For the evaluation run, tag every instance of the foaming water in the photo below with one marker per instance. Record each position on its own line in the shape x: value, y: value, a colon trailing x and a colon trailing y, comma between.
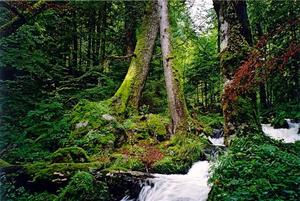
x: 289, y: 135
x: 217, y: 141
x: 175, y: 187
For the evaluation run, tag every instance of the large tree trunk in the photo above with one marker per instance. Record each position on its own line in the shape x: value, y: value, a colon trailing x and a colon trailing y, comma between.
x: 240, y: 116
x: 176, y: 101
x: 128, y: 95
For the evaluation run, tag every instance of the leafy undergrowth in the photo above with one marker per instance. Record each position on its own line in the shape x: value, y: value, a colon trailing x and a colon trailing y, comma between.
x: 211, y: 121
x: 257, y: 168
x: 93, y: 137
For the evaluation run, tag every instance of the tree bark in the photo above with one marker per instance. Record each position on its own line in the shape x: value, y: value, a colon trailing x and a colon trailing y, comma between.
x: 240, y: 116
x: 176, y: 101
x: 127, y: 97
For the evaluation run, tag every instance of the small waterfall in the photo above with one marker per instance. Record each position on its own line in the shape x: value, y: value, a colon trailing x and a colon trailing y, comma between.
x: 288, y: 135
x: 189, y: 187
x: 192, y: 186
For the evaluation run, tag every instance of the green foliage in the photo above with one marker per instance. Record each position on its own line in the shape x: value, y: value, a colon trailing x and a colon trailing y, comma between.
x: 257, y: 168
x: 70, y: 155
x: 83, y: 187
x: 47, y: 124
x: 211, y: 121
x: 9, y: 191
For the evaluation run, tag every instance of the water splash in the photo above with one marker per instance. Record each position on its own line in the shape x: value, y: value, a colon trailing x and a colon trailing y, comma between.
x: 175, y: 187
x: 289, y: 135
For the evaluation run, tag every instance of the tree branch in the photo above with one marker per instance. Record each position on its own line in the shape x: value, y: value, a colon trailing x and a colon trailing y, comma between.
x: 13, y: 25
x: 120, y: 57
x: 12, y: 8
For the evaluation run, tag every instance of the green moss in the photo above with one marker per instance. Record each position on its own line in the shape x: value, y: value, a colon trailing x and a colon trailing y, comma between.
x: 70, y: 155
x: 4, y: 164
x: 91, y: 129
x: 170, y: 166
x: 125, y: 162
x: 180, y: 154
x: 42, y: 171
x: 157, y: 124
x: 83, y: 187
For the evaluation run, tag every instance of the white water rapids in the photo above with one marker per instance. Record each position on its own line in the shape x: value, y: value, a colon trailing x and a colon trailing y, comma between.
x: 289, y: 135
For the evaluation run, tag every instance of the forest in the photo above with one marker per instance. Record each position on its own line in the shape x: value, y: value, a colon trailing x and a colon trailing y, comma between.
x: 150, y: 100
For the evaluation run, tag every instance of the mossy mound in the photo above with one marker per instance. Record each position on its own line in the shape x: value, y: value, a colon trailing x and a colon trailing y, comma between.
x: 93, y: 126
x: 70, y: 155
x: 180, y: 153
x: 153, y: 125
x: 83, y: 187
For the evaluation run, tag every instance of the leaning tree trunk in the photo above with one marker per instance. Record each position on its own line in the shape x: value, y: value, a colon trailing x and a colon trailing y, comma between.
x: 240, y: 116
x: 176, y: 101
x: 128, y: 95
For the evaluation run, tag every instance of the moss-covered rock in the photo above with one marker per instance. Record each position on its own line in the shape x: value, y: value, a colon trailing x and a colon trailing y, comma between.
x: 58, y: 172
x: 70, y: 155
x: 83, y: 187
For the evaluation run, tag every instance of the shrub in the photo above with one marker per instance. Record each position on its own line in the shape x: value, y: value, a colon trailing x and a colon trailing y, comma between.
x: 257, y: 168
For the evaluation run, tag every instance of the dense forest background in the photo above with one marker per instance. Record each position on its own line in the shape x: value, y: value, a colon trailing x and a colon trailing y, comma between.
x: 62, y: 65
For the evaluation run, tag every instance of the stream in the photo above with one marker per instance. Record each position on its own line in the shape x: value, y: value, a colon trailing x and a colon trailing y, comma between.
x: 193, y: 186
x: 287, y: 135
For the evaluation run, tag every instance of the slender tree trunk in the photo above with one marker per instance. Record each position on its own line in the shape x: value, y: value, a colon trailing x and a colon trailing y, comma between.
x: 103, y: 33
x: 75, y: 43
x: 98, y: 37
x: 176, y: 101
x: 89, y: 41
x: 128, y: 95
x: 262, y: 87
x: 240, y: 116
x: 130, y: 26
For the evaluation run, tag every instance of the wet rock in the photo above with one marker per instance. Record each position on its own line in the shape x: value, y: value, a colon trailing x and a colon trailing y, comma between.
x: 122, y: 183
x: 217, y: 133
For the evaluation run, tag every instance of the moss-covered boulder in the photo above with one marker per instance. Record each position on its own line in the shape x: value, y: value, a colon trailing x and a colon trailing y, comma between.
x: 70, y: 155
x: 83, y: 187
